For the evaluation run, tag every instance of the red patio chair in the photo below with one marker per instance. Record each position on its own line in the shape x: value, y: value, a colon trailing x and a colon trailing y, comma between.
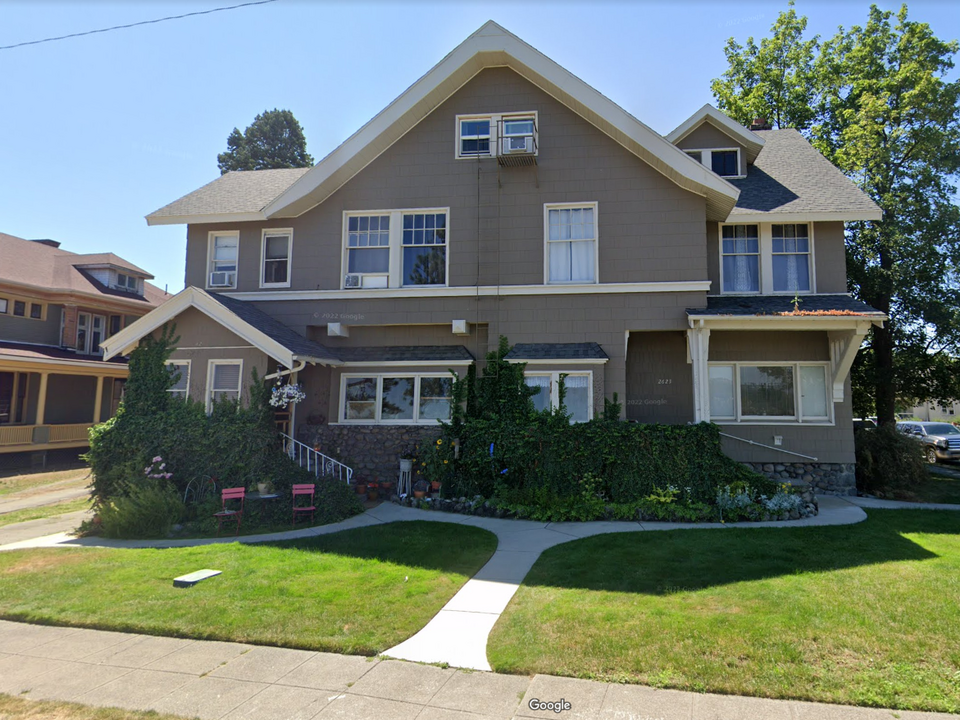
x: 308, y: 490
x: 230, y: 494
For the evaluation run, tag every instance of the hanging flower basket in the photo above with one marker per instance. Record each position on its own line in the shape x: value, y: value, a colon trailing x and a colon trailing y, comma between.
x: 284, y: 395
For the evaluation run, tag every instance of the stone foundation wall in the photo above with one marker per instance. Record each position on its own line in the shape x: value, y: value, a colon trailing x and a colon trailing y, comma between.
x: 373, y: 451
x: 824, y: 478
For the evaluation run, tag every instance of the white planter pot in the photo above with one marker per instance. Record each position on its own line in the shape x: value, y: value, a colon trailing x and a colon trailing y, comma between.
x: 406, y: 465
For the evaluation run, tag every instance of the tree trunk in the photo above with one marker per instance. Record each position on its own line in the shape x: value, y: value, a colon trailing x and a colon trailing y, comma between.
x: 885, y: 391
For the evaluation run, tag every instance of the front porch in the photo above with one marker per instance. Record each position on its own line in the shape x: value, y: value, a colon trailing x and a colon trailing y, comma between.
x: 50, y: 398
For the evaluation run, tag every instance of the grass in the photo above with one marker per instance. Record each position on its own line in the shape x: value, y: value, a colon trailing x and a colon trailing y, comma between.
x: 22, y: 481
x: 942, y: 486
x: 44, y: 511
x: 17, y: 708
x: 867, y: 614
x: 358, y: 591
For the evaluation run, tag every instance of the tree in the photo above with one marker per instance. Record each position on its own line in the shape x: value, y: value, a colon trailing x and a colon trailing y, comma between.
x: 883, y: 112
x: 773, y: 81
x: 273, y: 140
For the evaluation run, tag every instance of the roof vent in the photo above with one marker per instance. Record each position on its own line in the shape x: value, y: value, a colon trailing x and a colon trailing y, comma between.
x: 45, y: 241
x: 760, y: 124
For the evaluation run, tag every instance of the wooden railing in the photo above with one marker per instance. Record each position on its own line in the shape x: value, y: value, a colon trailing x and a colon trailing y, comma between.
x: 69, y: 433
x: 16, y: 434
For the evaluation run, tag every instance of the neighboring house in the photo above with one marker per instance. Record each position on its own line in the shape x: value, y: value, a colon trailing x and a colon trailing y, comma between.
x: 936, y: 411
x: 56, y: 307
x: 699, y: 276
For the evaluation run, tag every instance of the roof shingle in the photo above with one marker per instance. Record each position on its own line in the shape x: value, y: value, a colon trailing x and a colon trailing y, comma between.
x: 557, y: 351
x: 406, y: 353
x: 783, y: 305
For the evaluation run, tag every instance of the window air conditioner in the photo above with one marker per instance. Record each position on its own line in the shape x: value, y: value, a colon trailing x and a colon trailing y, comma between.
x: 352, y: 281
x: 523, y: 144
x: 222, y: 279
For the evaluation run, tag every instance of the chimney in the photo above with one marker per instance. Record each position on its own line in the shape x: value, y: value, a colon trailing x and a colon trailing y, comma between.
x: 760, y: 124
x: 49, y: 243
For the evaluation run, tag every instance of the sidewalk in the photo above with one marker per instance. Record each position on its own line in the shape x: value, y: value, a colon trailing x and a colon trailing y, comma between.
x: 213, y: 680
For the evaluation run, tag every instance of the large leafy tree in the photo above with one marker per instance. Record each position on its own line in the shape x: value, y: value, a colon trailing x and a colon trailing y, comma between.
x: 273, y: 140
x: 881, y: 108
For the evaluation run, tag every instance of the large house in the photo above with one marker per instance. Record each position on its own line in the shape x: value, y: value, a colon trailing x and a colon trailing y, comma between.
x: 699, y: 276
x: 56, y: 307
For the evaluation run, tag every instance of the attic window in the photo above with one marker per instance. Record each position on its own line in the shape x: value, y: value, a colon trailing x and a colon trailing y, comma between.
x: 725, y: 163
x: 497, y: 134
x: 126, y: 282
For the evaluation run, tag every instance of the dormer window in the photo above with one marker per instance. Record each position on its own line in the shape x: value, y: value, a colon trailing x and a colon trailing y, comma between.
x: 725, y: 162
x: 128, y: 282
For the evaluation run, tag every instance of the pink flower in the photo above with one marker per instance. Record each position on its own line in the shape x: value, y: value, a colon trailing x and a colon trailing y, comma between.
x: 157, y: 459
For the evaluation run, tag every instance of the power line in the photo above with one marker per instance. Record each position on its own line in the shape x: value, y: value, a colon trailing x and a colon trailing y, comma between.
x: 144, y: 22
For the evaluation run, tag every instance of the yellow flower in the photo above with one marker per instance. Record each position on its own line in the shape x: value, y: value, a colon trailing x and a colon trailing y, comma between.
x: 439, y: 441
x: 445, y: 462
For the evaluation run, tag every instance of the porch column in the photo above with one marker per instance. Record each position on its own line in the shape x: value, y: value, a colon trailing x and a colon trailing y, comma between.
x: 699, y: 345
x: 98, y: 401
x: 293, y: 409
x: 42, y: 398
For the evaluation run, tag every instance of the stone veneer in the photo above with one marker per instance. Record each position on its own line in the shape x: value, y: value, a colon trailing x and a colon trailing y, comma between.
x: 824, y: 478
x: 373, y: 451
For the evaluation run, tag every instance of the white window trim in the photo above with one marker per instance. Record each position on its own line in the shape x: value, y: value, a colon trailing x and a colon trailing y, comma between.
x: 208, y: 268
x: 209, y: 389
x: 555, y: 386
x: 4, y: 306
x: 395, y: 268
x: 273, y: 232
x: 798, y: 418
x: 186, y: 391
x: 378, y: 402
x: 547, y: 207
x: 495, y: 120
x: 88, y: 348
x: 706, y: 159
x: 765, y: 234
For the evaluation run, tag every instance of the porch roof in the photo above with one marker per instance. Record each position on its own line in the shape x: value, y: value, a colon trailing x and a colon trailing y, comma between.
x: 783, y: 306
x: 406, y: 354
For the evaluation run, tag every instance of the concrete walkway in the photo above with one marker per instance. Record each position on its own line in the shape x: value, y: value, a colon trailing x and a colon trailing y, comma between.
x: 31, y: 530
x: 232, y: 681
x: 900, y: 504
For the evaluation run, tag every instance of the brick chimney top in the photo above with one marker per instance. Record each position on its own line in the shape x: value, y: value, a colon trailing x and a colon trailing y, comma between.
x: 760, y: 124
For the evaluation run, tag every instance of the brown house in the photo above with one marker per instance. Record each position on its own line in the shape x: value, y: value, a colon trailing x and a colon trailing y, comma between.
x: 56, y: 307
x: 700, y: 276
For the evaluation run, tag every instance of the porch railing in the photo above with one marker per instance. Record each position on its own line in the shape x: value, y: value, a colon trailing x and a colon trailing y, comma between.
x: 69, y: 433
x: 16, y: 435
x: 315, y: 461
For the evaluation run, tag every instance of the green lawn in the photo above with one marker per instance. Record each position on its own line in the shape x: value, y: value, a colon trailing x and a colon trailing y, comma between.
x: 19, y: 481
x: 942, y: 486
x: 358, y: 591
x: 44, y: 511
x: 867, y: 614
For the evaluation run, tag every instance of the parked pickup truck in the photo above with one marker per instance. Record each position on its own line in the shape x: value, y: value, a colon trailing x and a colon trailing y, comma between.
x: 941, y: 441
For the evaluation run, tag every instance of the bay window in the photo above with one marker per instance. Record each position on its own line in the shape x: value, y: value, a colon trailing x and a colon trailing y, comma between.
x: 571, y: 243
x: 769, y: 392
x: 578, y: 398
x: 402, y: 399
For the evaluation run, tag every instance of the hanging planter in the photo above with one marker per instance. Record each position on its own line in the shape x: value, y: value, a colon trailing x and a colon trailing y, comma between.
x: 284, y: 395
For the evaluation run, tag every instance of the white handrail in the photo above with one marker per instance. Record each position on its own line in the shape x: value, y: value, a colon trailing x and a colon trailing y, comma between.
x: 315, y: 461
x: 770, y: 447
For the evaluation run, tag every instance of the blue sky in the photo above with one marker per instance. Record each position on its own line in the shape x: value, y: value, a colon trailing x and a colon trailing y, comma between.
x: 98, y: 131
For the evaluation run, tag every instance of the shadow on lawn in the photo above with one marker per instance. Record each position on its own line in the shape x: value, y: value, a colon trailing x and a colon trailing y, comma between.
x: 446, y: 547
x: 661, y: 563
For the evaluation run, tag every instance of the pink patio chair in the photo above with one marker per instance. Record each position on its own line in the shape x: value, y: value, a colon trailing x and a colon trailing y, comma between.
x: 230, y: 495
x: 306, y: 490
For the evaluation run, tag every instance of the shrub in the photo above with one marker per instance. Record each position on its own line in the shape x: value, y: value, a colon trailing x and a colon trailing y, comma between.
x: 147, y: 509
x: 889, y: 463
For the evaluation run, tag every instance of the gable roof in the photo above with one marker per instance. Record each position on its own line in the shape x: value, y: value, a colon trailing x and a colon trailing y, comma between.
x: 790, y: 180
x: 751, y: 141
x: 233, y: 197
x: 490, y: 46
x: 244, y: 319
x: 37, y: 265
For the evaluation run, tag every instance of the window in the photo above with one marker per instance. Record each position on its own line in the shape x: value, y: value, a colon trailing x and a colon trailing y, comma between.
x: 791, y: 258
x: 275, y: 258
x: 767, y: 259
x: 398, y: 399
x: 725, y: 163
x: 740, y: 248
x: 222, y: 260
x: 496, y: 134
x: 116, y: 324
x: 223, y: 381
x: 181, y: 386
x: 127, y: 282
x: 90, y: 333
x: 571, y: 243
x: 755, y: 392
x: 3, y: 306
x: 578, y: 399
x: 36, y: 311
x: 396, y: 248
x: 425, y: 249
x: 695, y: 154
x: 19, y: 308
